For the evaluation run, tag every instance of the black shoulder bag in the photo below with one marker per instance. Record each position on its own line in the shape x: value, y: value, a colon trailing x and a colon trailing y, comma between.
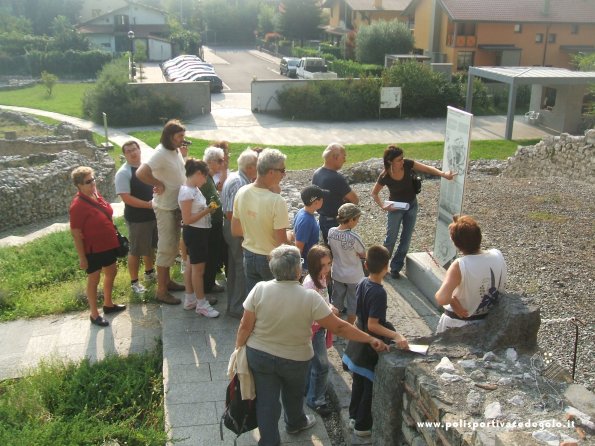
x: 416, y: 180
x: 124, y: 244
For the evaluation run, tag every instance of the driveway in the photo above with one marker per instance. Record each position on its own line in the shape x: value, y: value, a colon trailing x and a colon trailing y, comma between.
x: 238, y: 66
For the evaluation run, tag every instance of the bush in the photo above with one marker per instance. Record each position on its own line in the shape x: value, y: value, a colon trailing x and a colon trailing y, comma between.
x: 341, y: 100
x: 81, y: 64
x: 300, y: 51
x: 48, y: 80
x: 124, y: 106
x: 380, y: 38
x: 331, y: 49
x: 425, y: 92
x: 350, y: 68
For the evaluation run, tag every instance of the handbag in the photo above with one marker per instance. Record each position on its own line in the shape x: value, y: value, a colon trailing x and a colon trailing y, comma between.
x: 239, y: 415
x: 416, y: 180
x: 123, y: 243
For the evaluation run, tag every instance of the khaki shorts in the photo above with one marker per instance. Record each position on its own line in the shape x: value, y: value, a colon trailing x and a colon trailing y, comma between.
x: 168, y: 230
x: 142, y: 237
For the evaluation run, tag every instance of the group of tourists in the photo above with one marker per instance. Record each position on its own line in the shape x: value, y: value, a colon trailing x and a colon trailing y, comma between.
x: 289, y: 288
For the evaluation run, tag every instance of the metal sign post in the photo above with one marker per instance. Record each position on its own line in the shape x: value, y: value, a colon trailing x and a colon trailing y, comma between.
x: 106, y: 144
x: 391, y: 97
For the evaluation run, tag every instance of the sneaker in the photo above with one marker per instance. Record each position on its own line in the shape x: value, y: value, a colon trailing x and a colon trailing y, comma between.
x: 352, y: 423
x: 362, y: 433
x: 138, y: 288
x: 150, y: 277
x: 190, y: 303
x: 310, y: 421
x: 206, y: 310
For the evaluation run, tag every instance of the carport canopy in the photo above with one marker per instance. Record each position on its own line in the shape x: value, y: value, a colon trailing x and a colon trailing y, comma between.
x: 516, y: 76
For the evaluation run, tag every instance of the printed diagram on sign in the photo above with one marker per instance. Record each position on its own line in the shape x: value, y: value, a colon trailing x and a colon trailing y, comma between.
x: 456, y: 155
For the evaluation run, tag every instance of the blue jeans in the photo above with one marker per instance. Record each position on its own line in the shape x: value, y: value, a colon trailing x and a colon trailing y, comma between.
x: 256, y: 269
x: 274, y: 376
x: 393, y: 225
x: 236, y: 280
x: 317, y: 381
x: 325, y: 224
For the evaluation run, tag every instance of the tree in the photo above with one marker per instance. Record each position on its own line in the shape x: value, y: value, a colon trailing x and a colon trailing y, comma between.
x: 299, y: 19
x: 266, y: 19
x: 66, y: 37
x: 380, y: 38
x: 228, y: 21
x: 48, y: 80
x: 42, y: 12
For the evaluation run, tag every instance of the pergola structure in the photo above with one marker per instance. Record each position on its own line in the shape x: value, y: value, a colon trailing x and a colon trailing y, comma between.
x: 517, y: 76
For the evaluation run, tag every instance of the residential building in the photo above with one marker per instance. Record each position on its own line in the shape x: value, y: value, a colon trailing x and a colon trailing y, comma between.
x: 91, y: 9
x: 350, y: 15
x: 110, y: 31
x: 503, y: 32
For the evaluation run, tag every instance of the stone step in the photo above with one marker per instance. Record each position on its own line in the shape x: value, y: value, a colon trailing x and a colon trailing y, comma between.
x: 425, y: 275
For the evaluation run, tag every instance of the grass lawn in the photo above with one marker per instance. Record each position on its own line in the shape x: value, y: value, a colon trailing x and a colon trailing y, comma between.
x: 42, y: 277
x: 67, y: 98
x: 308, y: 157
x: 117, y: 401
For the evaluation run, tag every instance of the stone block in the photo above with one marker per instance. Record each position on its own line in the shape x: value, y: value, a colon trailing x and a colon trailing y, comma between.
x: 579, y: 397
x: 515, y: 439
x: 387, y: 403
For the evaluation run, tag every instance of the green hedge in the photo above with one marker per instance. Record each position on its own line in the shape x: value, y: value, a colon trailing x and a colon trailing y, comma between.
x: 78, y: 64
x: 341, y: 100
x: 299, y: 51
x: 350, y: 68
x: 18, y: 44
x: 331, y: 49
x: 124, y: 106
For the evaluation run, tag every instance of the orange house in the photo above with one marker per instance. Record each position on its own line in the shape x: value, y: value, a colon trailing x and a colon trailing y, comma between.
x: 504, y: 32
x: 349, y: 15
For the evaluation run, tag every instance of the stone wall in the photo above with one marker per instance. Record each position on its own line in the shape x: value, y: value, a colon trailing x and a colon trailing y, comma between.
x: 478, y: 386
x: 564, y: 155
x: 35, y: 172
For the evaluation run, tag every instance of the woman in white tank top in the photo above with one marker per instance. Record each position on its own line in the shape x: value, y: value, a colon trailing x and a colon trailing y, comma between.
x: 473, y: 283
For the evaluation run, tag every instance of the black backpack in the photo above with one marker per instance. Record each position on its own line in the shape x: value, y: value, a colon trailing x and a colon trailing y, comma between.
x: 239, y: 415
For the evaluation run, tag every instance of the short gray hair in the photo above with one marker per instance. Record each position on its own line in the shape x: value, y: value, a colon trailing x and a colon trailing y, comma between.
x: 247, y: 158
x: 332, y: 148
x: 213, y: 154
x: 269, y: 159
x: 285, y: 262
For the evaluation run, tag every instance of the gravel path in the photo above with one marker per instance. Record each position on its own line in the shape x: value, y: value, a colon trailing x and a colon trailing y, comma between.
x: 545, y: 227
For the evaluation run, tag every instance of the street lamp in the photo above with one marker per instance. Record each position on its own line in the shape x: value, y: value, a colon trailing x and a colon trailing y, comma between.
x: 132, y: 67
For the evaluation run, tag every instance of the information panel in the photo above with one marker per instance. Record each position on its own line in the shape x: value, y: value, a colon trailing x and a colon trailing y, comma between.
x: 390, y: 97
x: 457, y: 143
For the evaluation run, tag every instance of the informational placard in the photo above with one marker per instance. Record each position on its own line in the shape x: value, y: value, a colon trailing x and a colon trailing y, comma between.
x: 390, y: 97
x: 457, y: 143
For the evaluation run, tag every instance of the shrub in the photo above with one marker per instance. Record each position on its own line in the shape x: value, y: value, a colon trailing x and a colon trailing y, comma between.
x: 425, y: 92
x: 380, y: 38
x: 340, y: 100
x: 350, y: 68
x: 48, y: 80
x: 299, y: 51
x: 124, y: 106
x: 82, y: 64
x: 331, y: 49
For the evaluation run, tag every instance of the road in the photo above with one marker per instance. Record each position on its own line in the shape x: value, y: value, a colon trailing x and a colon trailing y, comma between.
x: 238, y: 66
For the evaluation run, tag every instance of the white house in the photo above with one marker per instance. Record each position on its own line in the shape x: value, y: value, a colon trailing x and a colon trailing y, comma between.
x: 109, y: 31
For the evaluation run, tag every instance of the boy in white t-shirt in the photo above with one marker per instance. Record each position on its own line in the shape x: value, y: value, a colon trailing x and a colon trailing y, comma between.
x: 348, y: 251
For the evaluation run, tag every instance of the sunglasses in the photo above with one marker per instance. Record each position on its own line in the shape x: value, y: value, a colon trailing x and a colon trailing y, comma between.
x: 92, y: 180
x: 280, y: 170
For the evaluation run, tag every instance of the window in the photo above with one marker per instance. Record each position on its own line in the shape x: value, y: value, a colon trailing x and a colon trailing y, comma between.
x: 464, y: 60
x: 466, y: 29
x: 573, y: 29
x: 551, y: 38
x: 548, y: 98
x: 106, y: 44
x: 538, y: 38
x: 518, y: 28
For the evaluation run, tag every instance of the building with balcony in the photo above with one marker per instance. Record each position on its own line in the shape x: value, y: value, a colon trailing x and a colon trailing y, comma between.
x: 503, y: 32
x: 109, y: 31
x: 349, y: 15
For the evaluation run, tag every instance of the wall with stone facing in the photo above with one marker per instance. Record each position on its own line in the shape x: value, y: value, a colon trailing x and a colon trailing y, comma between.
x: 564, y: 155
x: 35, y: 178
x: 488, y: 375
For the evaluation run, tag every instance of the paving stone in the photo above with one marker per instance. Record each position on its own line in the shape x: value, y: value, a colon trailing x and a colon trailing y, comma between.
x: 187, y: 373
x: 181, y: 415
x: 196, y: 392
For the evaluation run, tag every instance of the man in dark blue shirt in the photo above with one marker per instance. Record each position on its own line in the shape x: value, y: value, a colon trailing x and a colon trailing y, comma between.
x: 327, y: 177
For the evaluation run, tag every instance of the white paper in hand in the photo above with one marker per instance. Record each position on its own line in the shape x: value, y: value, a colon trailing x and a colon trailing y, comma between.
x: 419, y: 348
x: 397, y: 205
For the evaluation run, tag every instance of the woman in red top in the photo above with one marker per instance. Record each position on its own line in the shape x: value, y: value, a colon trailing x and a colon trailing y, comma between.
x: 95, y: 241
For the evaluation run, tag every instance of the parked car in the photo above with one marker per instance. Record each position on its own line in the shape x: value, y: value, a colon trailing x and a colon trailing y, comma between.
x: 192, y: 75
x: 180, y: 59
x: 216, y: 82
x: 314, y: 68
x: 189, y: 69
x: 288, y: 66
